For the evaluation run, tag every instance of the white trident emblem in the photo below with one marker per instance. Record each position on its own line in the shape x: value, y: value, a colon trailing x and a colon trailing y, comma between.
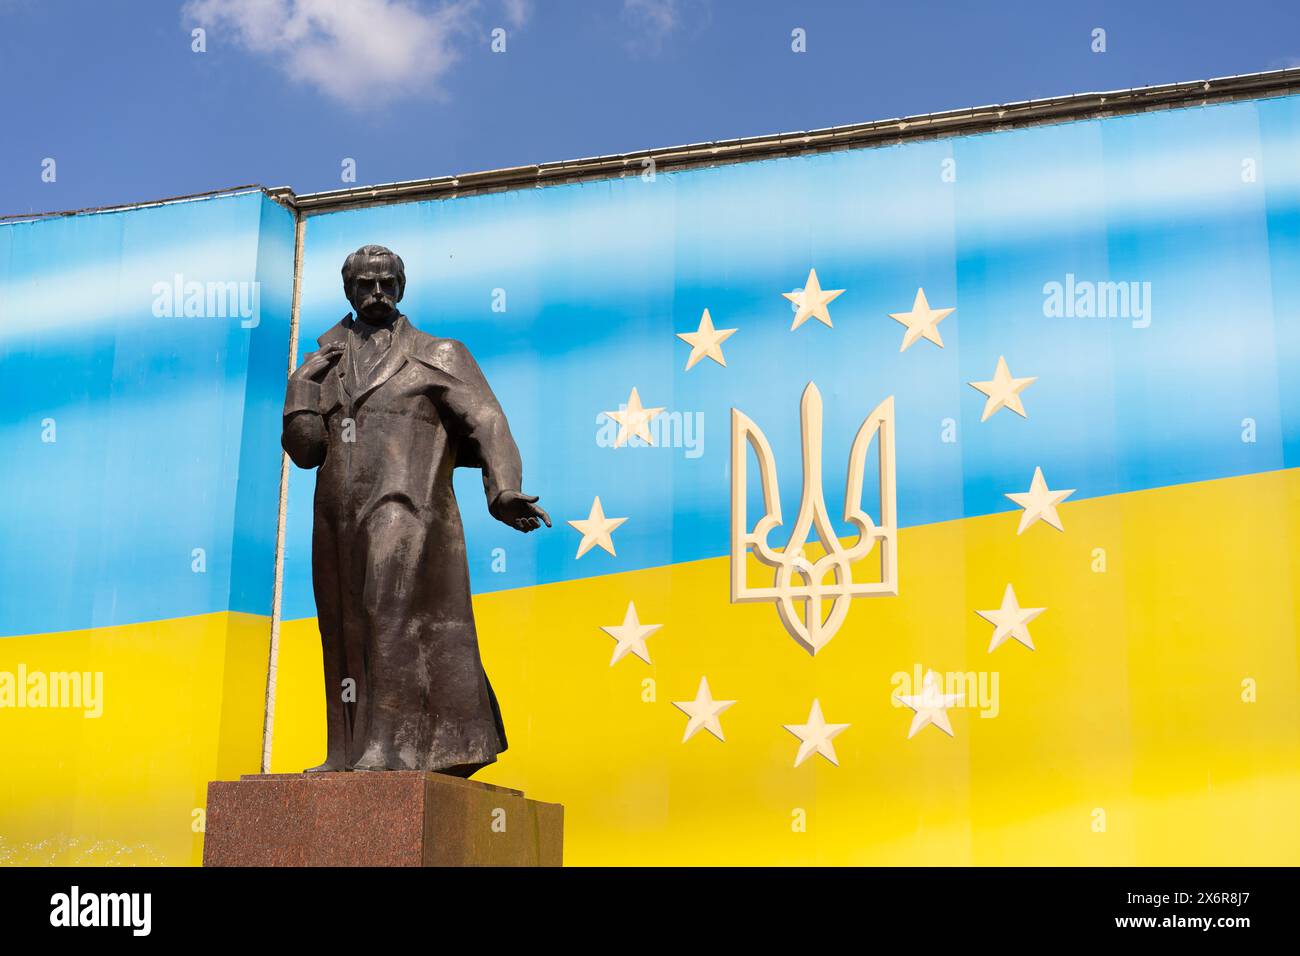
x: 813, y: 628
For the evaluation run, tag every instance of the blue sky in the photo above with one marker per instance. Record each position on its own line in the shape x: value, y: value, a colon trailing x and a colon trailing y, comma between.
x: 289, y: 89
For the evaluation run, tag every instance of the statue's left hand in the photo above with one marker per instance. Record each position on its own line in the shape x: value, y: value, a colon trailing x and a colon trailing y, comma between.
x: 520, y: 511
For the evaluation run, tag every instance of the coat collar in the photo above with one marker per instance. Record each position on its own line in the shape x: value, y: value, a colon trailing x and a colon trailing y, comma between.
x: 391, y: 364
x: 338, y: 332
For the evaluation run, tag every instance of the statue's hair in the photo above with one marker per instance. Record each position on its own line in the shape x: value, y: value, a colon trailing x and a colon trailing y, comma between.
x: 351, y: 263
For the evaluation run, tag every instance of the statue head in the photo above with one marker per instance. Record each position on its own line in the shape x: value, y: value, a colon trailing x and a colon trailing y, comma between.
x: 374, y: 279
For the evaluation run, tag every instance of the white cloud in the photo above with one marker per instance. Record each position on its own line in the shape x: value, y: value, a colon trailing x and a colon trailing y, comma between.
x: 657, y: 17
x: 517, y: 12
x: 656, y: 20
x: 359, y: 52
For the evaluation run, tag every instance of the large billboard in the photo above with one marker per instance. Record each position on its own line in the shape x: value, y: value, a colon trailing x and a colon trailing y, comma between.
x: 144, y: 355
x: 1056, y: 367
x: 1123, y: 295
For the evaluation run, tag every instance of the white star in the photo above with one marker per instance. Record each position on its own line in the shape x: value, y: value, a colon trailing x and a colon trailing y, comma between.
x: 922, y: 321
x: 1039, y: 503
x: 816, y: 735
x: 812, y: 301
x: 596, y: 529
x: 631, y: 635
x: 1010, y: 620
x: 706, y: 342
x: 931, y: 705
x: 703, y: 711
x: 634, y: 420
x: 1003, y: 391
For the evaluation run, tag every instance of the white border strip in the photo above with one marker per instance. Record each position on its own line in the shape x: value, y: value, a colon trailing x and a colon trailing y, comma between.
x: 268, y: 722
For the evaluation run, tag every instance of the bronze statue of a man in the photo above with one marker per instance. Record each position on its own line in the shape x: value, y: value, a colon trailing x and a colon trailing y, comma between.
x: 385, y: 412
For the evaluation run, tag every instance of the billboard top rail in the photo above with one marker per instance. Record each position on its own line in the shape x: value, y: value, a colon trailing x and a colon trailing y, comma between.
x: 876, y: 133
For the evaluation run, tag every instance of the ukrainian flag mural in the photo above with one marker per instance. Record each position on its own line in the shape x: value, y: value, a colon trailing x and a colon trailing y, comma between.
x: 144, y: 358
x: 1013, y: 579
x: 1116, y: 683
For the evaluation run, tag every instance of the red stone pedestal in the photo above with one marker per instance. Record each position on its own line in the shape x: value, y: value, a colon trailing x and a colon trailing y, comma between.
x: 393, y: 818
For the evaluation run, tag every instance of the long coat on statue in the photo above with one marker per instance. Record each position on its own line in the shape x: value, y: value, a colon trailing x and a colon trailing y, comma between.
x: 388, y: 550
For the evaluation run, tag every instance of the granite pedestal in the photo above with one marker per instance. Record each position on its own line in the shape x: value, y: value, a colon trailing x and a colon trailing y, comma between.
x: 392, y: 818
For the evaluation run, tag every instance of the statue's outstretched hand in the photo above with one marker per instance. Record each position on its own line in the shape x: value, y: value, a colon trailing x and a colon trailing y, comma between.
x: 318, y: 363
x: 520, y: 511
